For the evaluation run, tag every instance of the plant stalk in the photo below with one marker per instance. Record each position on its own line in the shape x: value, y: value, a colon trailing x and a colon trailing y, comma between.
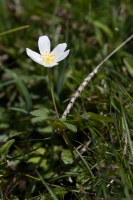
x: 52, y: 93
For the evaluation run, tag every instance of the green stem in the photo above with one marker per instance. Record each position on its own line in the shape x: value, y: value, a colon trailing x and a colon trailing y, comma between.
x: 52, y: 93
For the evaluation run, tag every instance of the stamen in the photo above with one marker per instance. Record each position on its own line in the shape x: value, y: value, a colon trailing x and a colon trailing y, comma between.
x: 48, y: 58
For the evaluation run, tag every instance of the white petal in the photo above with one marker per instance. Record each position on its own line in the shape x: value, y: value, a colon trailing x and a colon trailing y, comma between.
x: 50, y: 65
x: 33, y: 55
x: 44, y: 44
x: 62, y: 56
x: 59, y: 49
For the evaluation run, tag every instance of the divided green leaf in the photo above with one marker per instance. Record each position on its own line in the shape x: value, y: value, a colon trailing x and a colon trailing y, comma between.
x: 40, y: 115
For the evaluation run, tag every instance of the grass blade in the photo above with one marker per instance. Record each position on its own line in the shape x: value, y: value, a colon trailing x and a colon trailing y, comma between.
x: 47, y: 187
x: 14, y: 30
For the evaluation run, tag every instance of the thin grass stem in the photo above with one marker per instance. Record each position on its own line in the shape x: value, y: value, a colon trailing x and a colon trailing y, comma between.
x: 90, y: 76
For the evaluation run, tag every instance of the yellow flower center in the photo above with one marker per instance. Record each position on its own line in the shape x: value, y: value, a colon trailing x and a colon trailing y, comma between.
x: 48, y: 57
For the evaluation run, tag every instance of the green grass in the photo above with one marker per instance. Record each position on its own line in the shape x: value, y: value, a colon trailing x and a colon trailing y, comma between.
x: 90, y: 154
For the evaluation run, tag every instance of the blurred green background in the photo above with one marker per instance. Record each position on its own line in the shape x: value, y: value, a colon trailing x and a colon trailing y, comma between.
x: 39, y: 164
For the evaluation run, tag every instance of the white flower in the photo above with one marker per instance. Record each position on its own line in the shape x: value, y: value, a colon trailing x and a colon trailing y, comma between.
x: 47, y: 58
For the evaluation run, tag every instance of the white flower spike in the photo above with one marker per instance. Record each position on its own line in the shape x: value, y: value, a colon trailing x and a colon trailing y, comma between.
x: 47, y: 58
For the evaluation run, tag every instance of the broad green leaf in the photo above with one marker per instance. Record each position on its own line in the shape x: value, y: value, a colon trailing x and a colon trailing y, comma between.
x: 66, y: 156
x: 5, y: 148
x: 61, y: 124
x: 47, y: 129
x: 34, y: 159
x: 70, y: 127
x: 85, y: 115
x: 38, y: 119
x: 39, y: 113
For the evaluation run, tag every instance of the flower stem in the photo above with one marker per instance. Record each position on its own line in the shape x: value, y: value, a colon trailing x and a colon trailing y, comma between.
x: 52, y: 93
